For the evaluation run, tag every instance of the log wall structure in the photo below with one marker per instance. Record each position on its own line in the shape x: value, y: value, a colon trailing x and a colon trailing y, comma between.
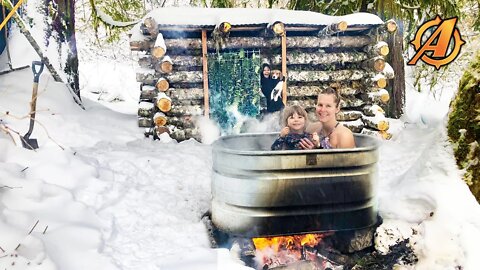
x: 349, y: 58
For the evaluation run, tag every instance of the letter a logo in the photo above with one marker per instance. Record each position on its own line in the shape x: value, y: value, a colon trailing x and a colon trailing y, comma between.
x: 437, y: 44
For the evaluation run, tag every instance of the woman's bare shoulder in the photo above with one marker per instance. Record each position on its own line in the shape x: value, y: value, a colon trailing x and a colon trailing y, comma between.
x: 345, y: 137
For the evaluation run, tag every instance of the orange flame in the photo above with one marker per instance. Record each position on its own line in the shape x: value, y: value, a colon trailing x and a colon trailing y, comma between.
x: 291, y: 242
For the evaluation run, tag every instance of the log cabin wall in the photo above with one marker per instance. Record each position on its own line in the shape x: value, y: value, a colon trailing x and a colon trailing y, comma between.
x: 350, y: 59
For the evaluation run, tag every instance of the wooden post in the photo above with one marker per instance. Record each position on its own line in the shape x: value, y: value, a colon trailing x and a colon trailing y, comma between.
x: 284, y: 67
x: 397, y: 83
x: 206, y: 107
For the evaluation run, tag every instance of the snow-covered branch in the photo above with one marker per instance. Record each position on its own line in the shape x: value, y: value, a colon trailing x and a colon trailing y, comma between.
x: 107, y: 19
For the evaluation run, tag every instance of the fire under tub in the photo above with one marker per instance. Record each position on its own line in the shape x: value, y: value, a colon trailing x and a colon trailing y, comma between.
x: 259, y: 192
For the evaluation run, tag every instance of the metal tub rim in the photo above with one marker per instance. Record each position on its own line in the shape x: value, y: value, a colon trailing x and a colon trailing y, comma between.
x: 218, y: 146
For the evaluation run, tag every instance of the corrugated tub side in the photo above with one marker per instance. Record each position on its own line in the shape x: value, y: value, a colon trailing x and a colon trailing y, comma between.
x: 258, y: 192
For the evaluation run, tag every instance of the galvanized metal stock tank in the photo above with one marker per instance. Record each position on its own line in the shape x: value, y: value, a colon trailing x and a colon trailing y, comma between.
x: 258, y: 192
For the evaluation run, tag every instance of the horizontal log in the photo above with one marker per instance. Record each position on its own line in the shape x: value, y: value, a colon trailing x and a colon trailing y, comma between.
x: 355, y: 126
x: 145, y: 122
x: 319, y: 58
x: 195, y: 44
x: 314, y: 90
x: 146, y: 109
x: 179, y: 110
x: 141, y: 45
x: 377, y: 80
x: 378, y: 49
x: 374, y: 64
x: 185, y: 93
x: 388, y: 71
x: 145, y: 61
x: 165, y: 65
x: 377, y: 122
x: 379, y: 97
x: 345, y: 102
x: 348, y: 115
x: 148, y: 92
x: 182, y: 121
x: 333, y: 28
x: 381, y: 134
x: 372, y: 110
x: 185, y: 134
x: 175, y: 77
x: 161, y: 84
x: 325, y: 76
x: 155, y: 132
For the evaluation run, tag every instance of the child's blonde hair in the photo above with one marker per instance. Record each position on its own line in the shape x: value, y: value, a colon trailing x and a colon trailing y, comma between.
x: 290, y: 110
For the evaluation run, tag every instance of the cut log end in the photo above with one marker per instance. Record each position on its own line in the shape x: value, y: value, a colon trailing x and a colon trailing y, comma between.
x: 385, y: 98
x: 160, y: 119
x: 385, y: 135
x: 384, y: 50
x: 162, y: 85
x: 391, y: 26
x: 383, y: 125
x: 381, y: 83
x: 158, y: 52
x: 166, y: 67
x: 342, y: 26
x: 164, y: 104
x: 379, y: 64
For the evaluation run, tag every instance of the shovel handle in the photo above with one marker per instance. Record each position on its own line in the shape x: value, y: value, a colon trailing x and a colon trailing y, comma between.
x: 36, y: 73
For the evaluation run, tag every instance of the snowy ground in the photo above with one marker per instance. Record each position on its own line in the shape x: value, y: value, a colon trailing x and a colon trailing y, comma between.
x: 114, y: 200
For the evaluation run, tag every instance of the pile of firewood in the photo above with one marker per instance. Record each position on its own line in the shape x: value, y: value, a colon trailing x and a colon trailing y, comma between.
x: 174, y: 83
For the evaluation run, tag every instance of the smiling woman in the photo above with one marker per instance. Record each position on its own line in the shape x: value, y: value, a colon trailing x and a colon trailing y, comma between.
x: 332, y: 134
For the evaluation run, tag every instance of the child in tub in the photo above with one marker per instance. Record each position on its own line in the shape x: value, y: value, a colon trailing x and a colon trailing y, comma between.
x: 294, y: 121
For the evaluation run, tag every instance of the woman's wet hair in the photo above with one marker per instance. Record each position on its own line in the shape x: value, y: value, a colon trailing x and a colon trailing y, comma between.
x: 290, y: 110
x: 331, y: 91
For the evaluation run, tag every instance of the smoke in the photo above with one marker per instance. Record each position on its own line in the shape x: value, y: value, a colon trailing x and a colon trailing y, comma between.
x: 209, y: 129
x: 246, y: 124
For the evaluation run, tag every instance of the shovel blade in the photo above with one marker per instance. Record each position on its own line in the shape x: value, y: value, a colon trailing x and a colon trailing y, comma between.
x: 29, y: 143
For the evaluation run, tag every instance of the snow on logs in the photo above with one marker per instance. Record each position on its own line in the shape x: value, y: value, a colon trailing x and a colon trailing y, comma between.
x: 172, y: 96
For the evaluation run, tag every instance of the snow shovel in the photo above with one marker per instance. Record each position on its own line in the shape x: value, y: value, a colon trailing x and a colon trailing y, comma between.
x: 26, y: 141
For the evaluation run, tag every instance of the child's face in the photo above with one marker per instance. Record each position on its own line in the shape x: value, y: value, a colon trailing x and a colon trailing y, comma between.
x: 266, y: 72
x: 296, y: 123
